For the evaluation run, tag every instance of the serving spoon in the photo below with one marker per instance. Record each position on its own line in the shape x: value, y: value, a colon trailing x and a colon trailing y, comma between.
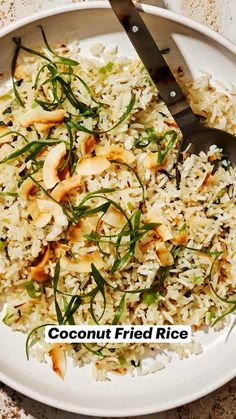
x: 200, y: 137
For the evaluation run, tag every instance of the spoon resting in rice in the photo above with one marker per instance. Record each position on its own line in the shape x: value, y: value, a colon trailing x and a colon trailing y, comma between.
x: 195, y: 136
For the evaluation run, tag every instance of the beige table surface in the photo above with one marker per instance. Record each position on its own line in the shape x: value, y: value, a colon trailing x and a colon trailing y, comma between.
x: 220, y: 15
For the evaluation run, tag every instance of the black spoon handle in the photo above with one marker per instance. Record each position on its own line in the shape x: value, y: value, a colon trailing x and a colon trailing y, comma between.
x: 146, y: 48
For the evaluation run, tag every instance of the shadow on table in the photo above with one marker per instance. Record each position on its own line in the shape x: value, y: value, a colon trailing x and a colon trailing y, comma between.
x: 26, y: 407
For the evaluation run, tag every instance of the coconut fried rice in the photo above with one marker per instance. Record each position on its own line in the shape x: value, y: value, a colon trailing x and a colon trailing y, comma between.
x: 88, y: 186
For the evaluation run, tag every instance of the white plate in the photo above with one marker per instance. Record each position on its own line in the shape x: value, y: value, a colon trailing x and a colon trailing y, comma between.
x: 181, y: 381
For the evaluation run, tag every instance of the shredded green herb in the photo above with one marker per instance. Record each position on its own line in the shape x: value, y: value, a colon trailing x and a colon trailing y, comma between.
x: 97, y: 353
x: 33, y: 148
x: 150, y: 297
x: 55, y: 283
x: 144, y: 140
x: 98, y: 278
x: 223, y: 299
x: 134, y: 172
x: 61, y: 60
x: 71, y: 308
x: 168, y: 147
x: 79, y: 127
x: 13, y: 67
x: 31, y: 334
x: 119, y: 311
x: 32, y: 290
x: 106, y: 68
x: 19, y: 46
x: 150, y: 137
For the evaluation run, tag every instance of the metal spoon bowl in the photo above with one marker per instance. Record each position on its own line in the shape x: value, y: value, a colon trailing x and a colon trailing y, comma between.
x: 199, y: 136
x: 204, y: 137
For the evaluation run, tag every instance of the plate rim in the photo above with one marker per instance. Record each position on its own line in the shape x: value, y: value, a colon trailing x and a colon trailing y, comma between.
x: 113, y: 412
x: 102, y: 4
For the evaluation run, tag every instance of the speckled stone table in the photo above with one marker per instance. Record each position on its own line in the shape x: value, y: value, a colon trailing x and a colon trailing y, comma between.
x: 220, y: 15
x: 220, y: 404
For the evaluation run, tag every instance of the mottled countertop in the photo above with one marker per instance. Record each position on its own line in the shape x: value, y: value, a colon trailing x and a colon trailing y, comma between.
x: 220, y: 15
x: 220, y: 404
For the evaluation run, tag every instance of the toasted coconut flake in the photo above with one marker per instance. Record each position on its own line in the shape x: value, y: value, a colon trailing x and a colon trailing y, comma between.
x: 92, y: 166
x: 147, y: 245
x: 41, y: 220
x: 46, y: 206
x: 7, y: 138
x: 44, y: 127
x: 21, y: 71
x: 181, y: 238
x: 60, y: 249
x: 87, y: 145
x: 119, y: 371
x: 33, y: 210
x: 77, y: 232
x: 27, y: 187
x: 114, y: 218
x: 115, y: 153
x: 38, y: 274
x: 40, y: 116
x: 58, y: 357
x: 51, y: 164
x: 164, y: 255
x: 64, y: 174
x: 45, y: 258
x: 83, y: 264
x: 150, y: 162
x: 51, y: 209
x: 163, y: 230
x: 54, y: 233
x: 43, y: 153
x: 65, y: 187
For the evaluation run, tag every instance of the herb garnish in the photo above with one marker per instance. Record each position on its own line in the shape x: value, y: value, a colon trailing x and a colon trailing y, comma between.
x: 150, y: 297
x: 79, y: 127
x: 133, y: 229
x: 56, y: 80
x: 34, y: 147
x: 59, y: 80
x: 134, y: 172
x: 29, y: 337
x: 98, y: 278
x: 13, y: 67
x: 150, y: 137
x: 223, y: 299
x: 119, y: 311
x: 32, y: 291
x: 106, y: 68
x: 62, y: 60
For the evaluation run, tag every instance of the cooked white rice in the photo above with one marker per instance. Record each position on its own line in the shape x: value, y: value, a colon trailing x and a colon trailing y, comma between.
x: 201, y: 214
